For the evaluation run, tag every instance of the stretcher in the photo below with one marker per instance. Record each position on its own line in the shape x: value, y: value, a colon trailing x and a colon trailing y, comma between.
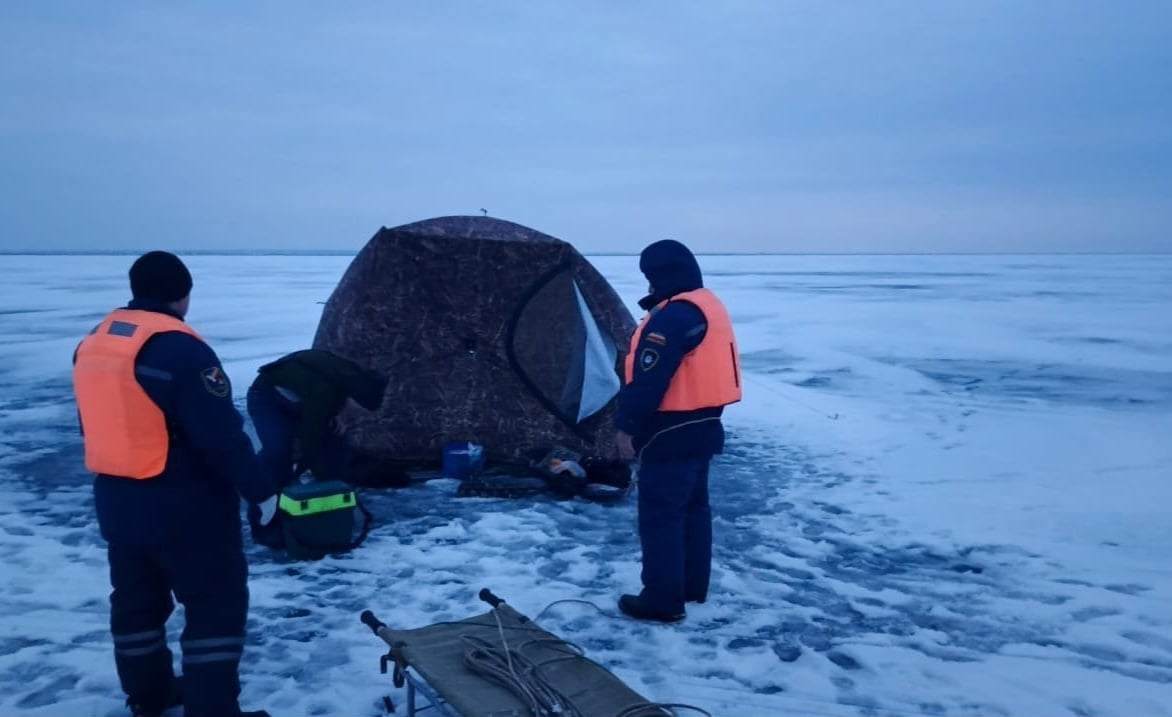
x: 502, y: 664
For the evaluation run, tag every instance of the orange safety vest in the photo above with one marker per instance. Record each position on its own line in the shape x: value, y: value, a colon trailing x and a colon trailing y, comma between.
x: 125, y: 431
x: 710, y: 374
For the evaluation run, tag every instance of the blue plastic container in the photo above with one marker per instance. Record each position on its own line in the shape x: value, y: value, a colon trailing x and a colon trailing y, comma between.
x: 462, y: 459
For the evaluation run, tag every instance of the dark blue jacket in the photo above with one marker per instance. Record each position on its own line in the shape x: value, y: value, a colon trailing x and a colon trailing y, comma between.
x: 661, y: 436
x: 210, y: 463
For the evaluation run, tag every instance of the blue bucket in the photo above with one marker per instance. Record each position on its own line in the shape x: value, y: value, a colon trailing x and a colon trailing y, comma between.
x: 462, y: 459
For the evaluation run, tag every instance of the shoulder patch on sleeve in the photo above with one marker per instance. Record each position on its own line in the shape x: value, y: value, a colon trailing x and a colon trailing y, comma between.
x: 657, y: 338
x: 216, y: 381
x: 648, y: 358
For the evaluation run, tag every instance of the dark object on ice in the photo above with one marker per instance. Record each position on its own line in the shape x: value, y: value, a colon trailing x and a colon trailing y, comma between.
x: 488, y: 331
x: 561, y: 472
x: 607, y: 472
x: 569, y: 475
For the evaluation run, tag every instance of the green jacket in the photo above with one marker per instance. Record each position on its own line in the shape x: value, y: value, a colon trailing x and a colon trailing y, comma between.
x: 323, y: 381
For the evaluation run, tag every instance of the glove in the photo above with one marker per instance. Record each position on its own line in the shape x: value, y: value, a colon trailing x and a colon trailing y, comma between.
x: 268, y: 509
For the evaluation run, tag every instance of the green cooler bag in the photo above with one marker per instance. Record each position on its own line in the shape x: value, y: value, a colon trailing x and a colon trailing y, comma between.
x: 318, y: 518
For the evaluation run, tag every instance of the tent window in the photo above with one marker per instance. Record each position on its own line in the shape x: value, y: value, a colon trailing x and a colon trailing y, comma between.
x: 600, y: 383
x: 561, y: 352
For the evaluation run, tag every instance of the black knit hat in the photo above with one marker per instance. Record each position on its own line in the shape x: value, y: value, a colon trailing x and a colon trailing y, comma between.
x: 159, y: 276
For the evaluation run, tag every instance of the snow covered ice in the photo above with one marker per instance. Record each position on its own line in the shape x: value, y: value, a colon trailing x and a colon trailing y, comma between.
x: 948, y: 492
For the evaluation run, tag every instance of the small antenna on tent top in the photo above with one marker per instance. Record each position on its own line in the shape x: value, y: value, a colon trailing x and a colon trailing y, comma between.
x: 484, y: 211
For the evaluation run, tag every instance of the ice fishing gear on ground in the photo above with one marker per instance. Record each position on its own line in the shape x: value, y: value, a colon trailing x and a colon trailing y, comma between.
x: 315, y: 519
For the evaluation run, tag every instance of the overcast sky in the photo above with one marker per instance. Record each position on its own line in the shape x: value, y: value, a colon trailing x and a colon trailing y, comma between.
x: 732, y: 125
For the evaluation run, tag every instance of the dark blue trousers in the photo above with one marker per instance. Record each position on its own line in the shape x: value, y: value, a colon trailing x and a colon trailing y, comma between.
x: 210, y: 580
x: 278, y: 424
x: 675, y: 530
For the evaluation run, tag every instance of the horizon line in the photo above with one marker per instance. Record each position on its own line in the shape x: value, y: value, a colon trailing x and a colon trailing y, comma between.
x: 339, y: 252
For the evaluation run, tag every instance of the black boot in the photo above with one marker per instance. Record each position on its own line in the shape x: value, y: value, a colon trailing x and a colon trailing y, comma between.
x: 636, y: 606
x: 140, y: 709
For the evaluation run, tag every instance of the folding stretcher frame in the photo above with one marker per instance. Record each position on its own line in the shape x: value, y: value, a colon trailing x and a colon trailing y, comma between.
x: 432, y: 661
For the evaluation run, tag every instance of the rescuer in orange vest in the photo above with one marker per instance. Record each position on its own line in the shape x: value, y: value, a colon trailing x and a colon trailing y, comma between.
x: 172, y: 460
x: 681, y: 371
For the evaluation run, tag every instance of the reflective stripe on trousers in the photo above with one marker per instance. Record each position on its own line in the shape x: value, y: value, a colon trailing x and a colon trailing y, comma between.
x: 212, y: 649
x: 137, y: 644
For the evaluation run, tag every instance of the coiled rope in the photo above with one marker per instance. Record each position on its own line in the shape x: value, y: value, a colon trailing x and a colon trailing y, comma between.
x: 510, y: 668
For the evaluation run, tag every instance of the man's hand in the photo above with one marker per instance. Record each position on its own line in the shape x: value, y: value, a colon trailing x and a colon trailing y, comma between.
x: 625, y: 445
x: 268, y: 509
x: 340, y: 426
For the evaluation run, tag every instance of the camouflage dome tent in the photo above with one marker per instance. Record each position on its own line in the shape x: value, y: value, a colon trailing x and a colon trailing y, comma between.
x: 489, y: 332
